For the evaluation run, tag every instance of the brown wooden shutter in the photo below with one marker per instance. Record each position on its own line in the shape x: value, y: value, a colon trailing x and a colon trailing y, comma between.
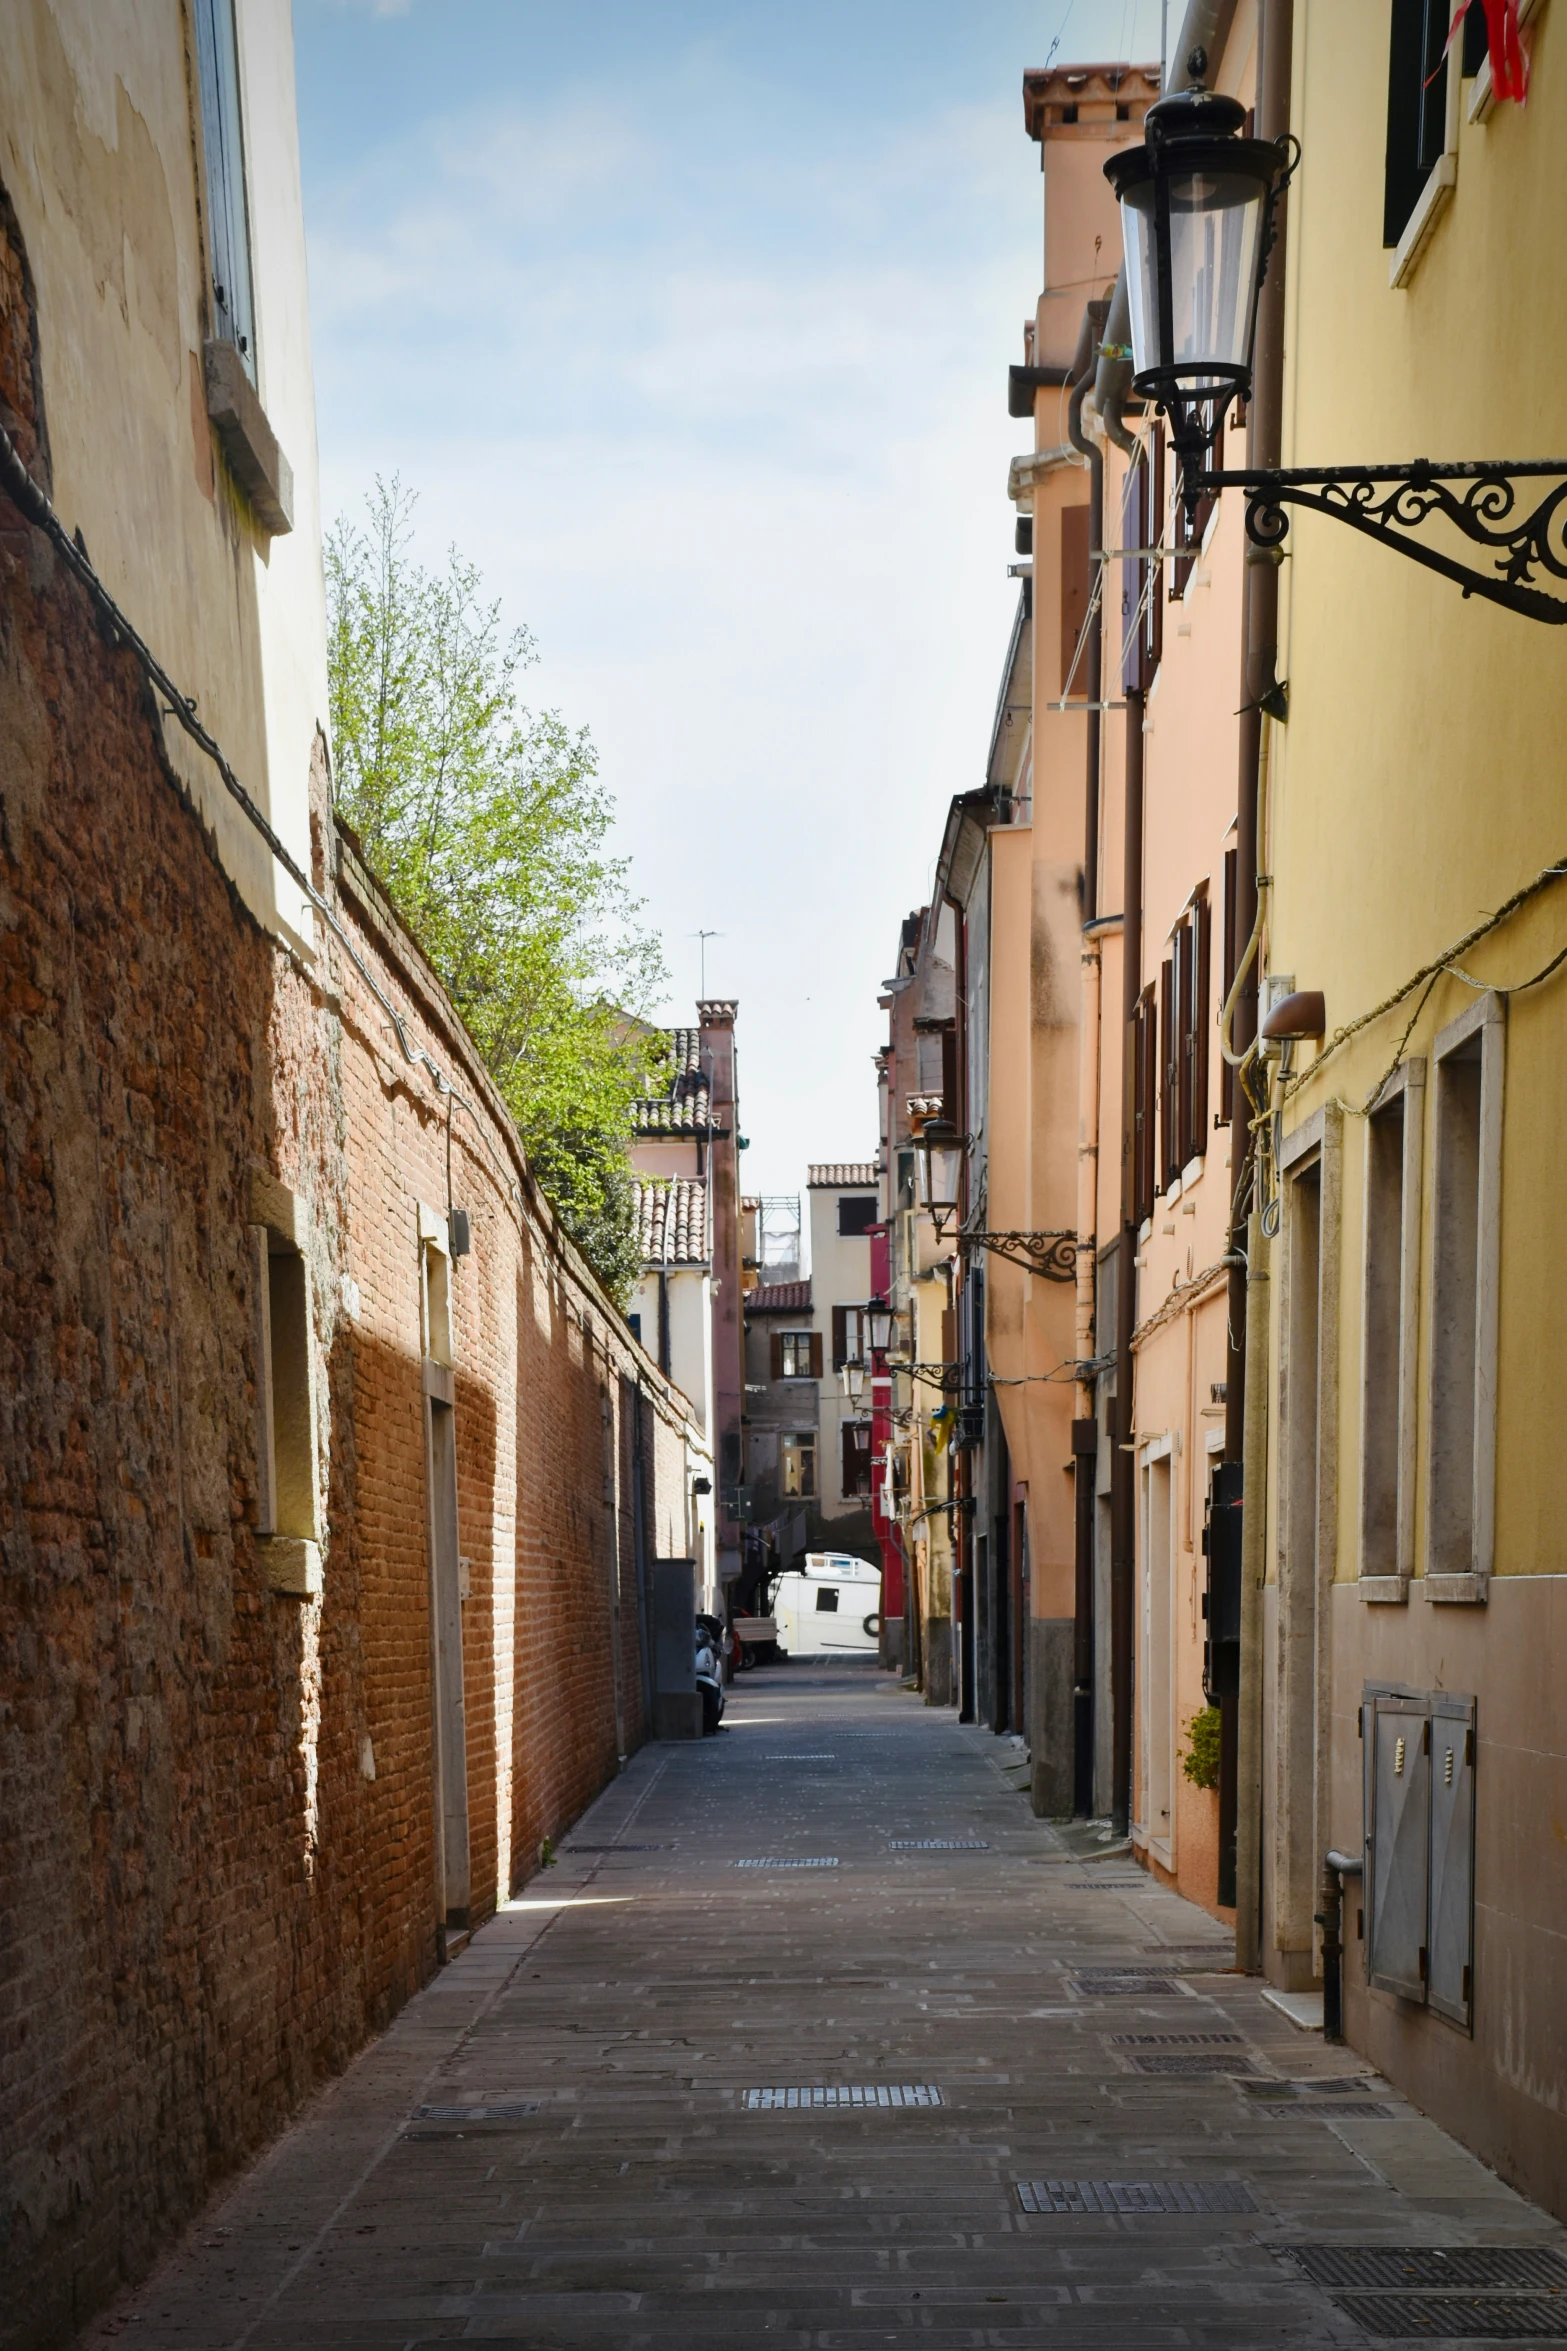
x: 1202, y: 1011
x: 776, y: 1343
x: 816, y: 1355
x: 1169, y: 1142
x: 1182, y: 946
x: 840, y: 1341
x: 1142, y: 624
x: 1075, y: 589
x: 949, y: 1075
x: 1227, y: 980
x: 1143, y: 1062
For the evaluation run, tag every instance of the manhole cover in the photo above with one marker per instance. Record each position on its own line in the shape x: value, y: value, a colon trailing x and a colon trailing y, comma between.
x: 856, y: 2094
x: 1135, y: 2196
x: 781, y: 1861
x: 937, y: 1845
x: 1194, y: 2061
x: 1411, y: 2266
x: 1481, y: 2317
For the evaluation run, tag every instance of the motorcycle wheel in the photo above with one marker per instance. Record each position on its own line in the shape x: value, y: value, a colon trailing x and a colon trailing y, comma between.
x: 747, y: 1657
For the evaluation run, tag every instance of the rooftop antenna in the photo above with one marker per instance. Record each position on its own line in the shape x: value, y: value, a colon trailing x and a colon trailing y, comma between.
x: 704, y: 936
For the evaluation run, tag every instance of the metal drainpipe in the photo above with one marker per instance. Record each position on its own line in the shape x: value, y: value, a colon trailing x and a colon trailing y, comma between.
x: 1206, y: 25
x: 1084, y: 1431
x: 1246, y: 1381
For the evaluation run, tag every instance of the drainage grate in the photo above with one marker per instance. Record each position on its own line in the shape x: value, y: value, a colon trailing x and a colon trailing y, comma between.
x: 1194, y: 1950
x: 1174, y: 2040
x: 1136, y: 1885
x: 513, y: 2111
x: 1331, y: 2109
x: 1407, y: 2266
x: 1095, y: 1987
x: 569, y: 1849
x: 800, y: 1755
x: 1491, y: 2318
x: 937, y: 1845
x: 1196, y: 2061
x: 781, y: 1861
x: 1135, y: 2196
x: 1087, y: 1973
x: 856, y: 2094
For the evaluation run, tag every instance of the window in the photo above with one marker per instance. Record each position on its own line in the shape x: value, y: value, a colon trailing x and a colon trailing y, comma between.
x: 856, y: 1464
x: 849, y: 1341
x: 1416, y: 107
x: 634, y: 1325
x: 827, y: 1599
x: 1183, y: 1043
x: 228, y: 226
x: 1389, y: 1323
x: 797, y: 1456
x: 856, y: 1216
x: 288, y: 1498
x: 797, y: 1355
x: 1465, y: 1237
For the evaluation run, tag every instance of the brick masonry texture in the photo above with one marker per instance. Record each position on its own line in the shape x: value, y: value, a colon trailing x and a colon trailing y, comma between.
x: 217, y: 1873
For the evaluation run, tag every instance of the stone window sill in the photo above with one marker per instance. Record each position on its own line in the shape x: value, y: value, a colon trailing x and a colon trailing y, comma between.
x: 249, y: 443
x: 1389, y: 1590
x: 1434, y: 199
x: 1460, y: 1591
x: 292, y: 1564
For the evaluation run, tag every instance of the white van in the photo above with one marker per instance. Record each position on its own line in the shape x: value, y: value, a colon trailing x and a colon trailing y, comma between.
x: 829, y: 1606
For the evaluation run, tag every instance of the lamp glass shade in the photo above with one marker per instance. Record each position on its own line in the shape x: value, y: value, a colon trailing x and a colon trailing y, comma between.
x: 878, y: 1322
x: 1215, y: 224
x: 853, y: 1378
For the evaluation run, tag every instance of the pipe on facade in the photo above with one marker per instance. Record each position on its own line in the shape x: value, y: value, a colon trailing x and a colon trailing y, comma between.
x: 1246, y: 1392
x: 1330, y: 1918
x: 1123, y: 1492
x: 1094, y: 316
x: 1085, y: 1446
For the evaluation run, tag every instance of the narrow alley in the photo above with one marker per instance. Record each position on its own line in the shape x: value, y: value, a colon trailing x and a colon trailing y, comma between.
x: 815, y: 2034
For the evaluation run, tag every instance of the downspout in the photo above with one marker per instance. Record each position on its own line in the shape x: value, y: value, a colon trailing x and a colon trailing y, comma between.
x: 1246, y: 1387
x: 1205, y: 26
x: 1084, y: 1425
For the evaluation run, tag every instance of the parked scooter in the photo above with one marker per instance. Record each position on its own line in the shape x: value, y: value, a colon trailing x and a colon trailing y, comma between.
x: 710, y: 1672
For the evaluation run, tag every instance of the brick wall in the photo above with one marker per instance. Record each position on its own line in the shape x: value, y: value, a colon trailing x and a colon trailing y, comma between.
x: 217, y: 1871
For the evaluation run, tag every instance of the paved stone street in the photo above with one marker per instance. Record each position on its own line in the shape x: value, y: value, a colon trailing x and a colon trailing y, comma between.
x: 578, y: 2135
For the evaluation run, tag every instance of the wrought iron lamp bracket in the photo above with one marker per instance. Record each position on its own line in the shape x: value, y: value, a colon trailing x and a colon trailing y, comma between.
x: 1387, y: 502
x: 1051, y: 1255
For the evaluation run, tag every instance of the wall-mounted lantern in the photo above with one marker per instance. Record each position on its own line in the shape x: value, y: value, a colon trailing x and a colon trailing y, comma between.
x: 941, y: 1149
x: 1197, y: 217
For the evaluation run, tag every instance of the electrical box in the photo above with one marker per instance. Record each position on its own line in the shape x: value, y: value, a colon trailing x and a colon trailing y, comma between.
x: 1419, y: 1758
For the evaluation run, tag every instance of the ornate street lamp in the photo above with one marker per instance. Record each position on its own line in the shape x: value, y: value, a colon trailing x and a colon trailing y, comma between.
x: 941, y: 1149
x: 852, y: 1376
x: 1197, y: 205
x: 1197, y: 217
x: 878, y: 1324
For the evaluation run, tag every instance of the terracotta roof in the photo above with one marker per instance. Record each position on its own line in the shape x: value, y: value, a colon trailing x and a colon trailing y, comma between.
x: 778, y: 1298
x: 841, y: 1175
x: 687, y: 1108
x: 674, y: 1207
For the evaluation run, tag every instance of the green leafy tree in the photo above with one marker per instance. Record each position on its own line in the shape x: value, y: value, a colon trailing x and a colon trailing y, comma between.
x: 486, y: 822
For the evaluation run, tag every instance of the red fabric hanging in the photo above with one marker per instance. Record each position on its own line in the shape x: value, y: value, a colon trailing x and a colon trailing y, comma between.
x: 1509, y: 57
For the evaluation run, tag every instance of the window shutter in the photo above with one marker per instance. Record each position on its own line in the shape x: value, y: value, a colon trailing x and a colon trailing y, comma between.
x: 1202, y: 957
x: 1075, y: 590
x: 949, y: 1074
x: 776, y: 1343
x: 840, y: 1337
x: 1169, y: 1142
x: 849, y: 1461
x: 1227, y: 980
x: 816, y: 1355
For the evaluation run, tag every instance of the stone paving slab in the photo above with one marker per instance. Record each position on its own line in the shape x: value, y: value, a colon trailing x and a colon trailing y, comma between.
x: 632, y: 1998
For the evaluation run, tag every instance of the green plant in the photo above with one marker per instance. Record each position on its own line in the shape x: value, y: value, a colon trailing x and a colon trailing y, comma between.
x: 1200, y: 1760
x: 486, y: 822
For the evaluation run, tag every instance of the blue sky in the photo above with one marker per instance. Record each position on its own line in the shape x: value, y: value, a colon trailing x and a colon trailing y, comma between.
x: 690, y: 324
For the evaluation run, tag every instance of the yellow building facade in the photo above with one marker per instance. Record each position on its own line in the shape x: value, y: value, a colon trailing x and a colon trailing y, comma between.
x: 1415, y: 1601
